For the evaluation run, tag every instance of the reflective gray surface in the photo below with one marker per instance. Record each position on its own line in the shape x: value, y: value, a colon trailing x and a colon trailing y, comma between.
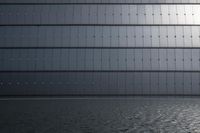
x: 97, y: 83
x: 100, y: 1
x: 100, y: 14
x: 103, y: 53
x: 104, y: 115
x: 100, y: 36
x: 99, y: 59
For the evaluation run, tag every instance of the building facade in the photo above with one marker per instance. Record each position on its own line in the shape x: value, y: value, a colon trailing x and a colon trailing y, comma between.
x: 100, y: 47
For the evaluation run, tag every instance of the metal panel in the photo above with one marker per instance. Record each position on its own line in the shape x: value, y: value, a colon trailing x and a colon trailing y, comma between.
x: 2, y: 36
x: 121, y: 83
x: 67, y: 60
x: 117, y: 14
x: 78, y: 10
x: 189, y: 16
x: 36, y: 59
x: 14, y: 60
x: 90, y: 36
x: 147, y: 36
x: 52, y: 17
x: 133, y: 14
x: 195, y: 59
x: 141, y: 12
x: 187, y: 59
x: 195, y: 36
x: 113, y: 83
x: 171, y: 64
x: 97, y: 59
x: 122, y: 59
x: 163, y: 36
x: 181, y: 14
x: 82, y: 36
x: 44, y: 11
x: 81, y: 59
x: 47, y: 57
x: 146, y: 59
x: 138, y: 59
x: 123, y: 36
x: 154, y: 83
x: 187, y: 36
x: 41, y: 34
x: 13, y: 14
x: 106, y: 36
x: 114, y: 36
x: 100, y: 1
x: 61, y: 14
x: 170, y: 83
x: 129, y: 83
x: 157, y: 16
x: 155, y: 36
x: 50, y: 36
x: 9, y: 37
x: 165, y: 14
x: 2, y: 11
x: 125, y: 14
x: 139, y: 36
x: 171, y: 36
x: 172, y: 14
x: 109, y: 14
x: 17, y: 14
x: 179, y: 59
x: 72, y: 59
x: 149, y: 12
x: 93, y: 14
x: 154, y: 59
x: 195, y: 83
x: 196, y: 15
x: 179, y: 36
x: 114, y: 60
x: 56, y: 58
x: 131, y: 38
x: 179, y: 86
x: 85, y: 14
x: 99, y: 36
x: 2, y: 59
x: 105, y: 59
x: 138, y: 83
x: 38, y: 62
x: 89, y: 59
x: 162, y: 83
x: 163, y: 59
x: 130, y: 59
x: 23, y: 13
x: 64, y: 59
x: 57, y: 36
x: 74, y: 34
x: 101, y: 14
x: 146, y: 88
x: 187, y: 83
x: 67, y: 36
x: 69, y: 14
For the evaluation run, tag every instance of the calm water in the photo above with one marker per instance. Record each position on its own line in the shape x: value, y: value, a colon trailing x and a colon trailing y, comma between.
x: 100, y: 115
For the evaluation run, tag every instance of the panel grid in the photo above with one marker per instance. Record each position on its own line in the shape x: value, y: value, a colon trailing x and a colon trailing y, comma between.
x: 97, y: 47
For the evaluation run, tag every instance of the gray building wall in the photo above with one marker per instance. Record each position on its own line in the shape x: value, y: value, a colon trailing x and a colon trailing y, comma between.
x: 97, y: 47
